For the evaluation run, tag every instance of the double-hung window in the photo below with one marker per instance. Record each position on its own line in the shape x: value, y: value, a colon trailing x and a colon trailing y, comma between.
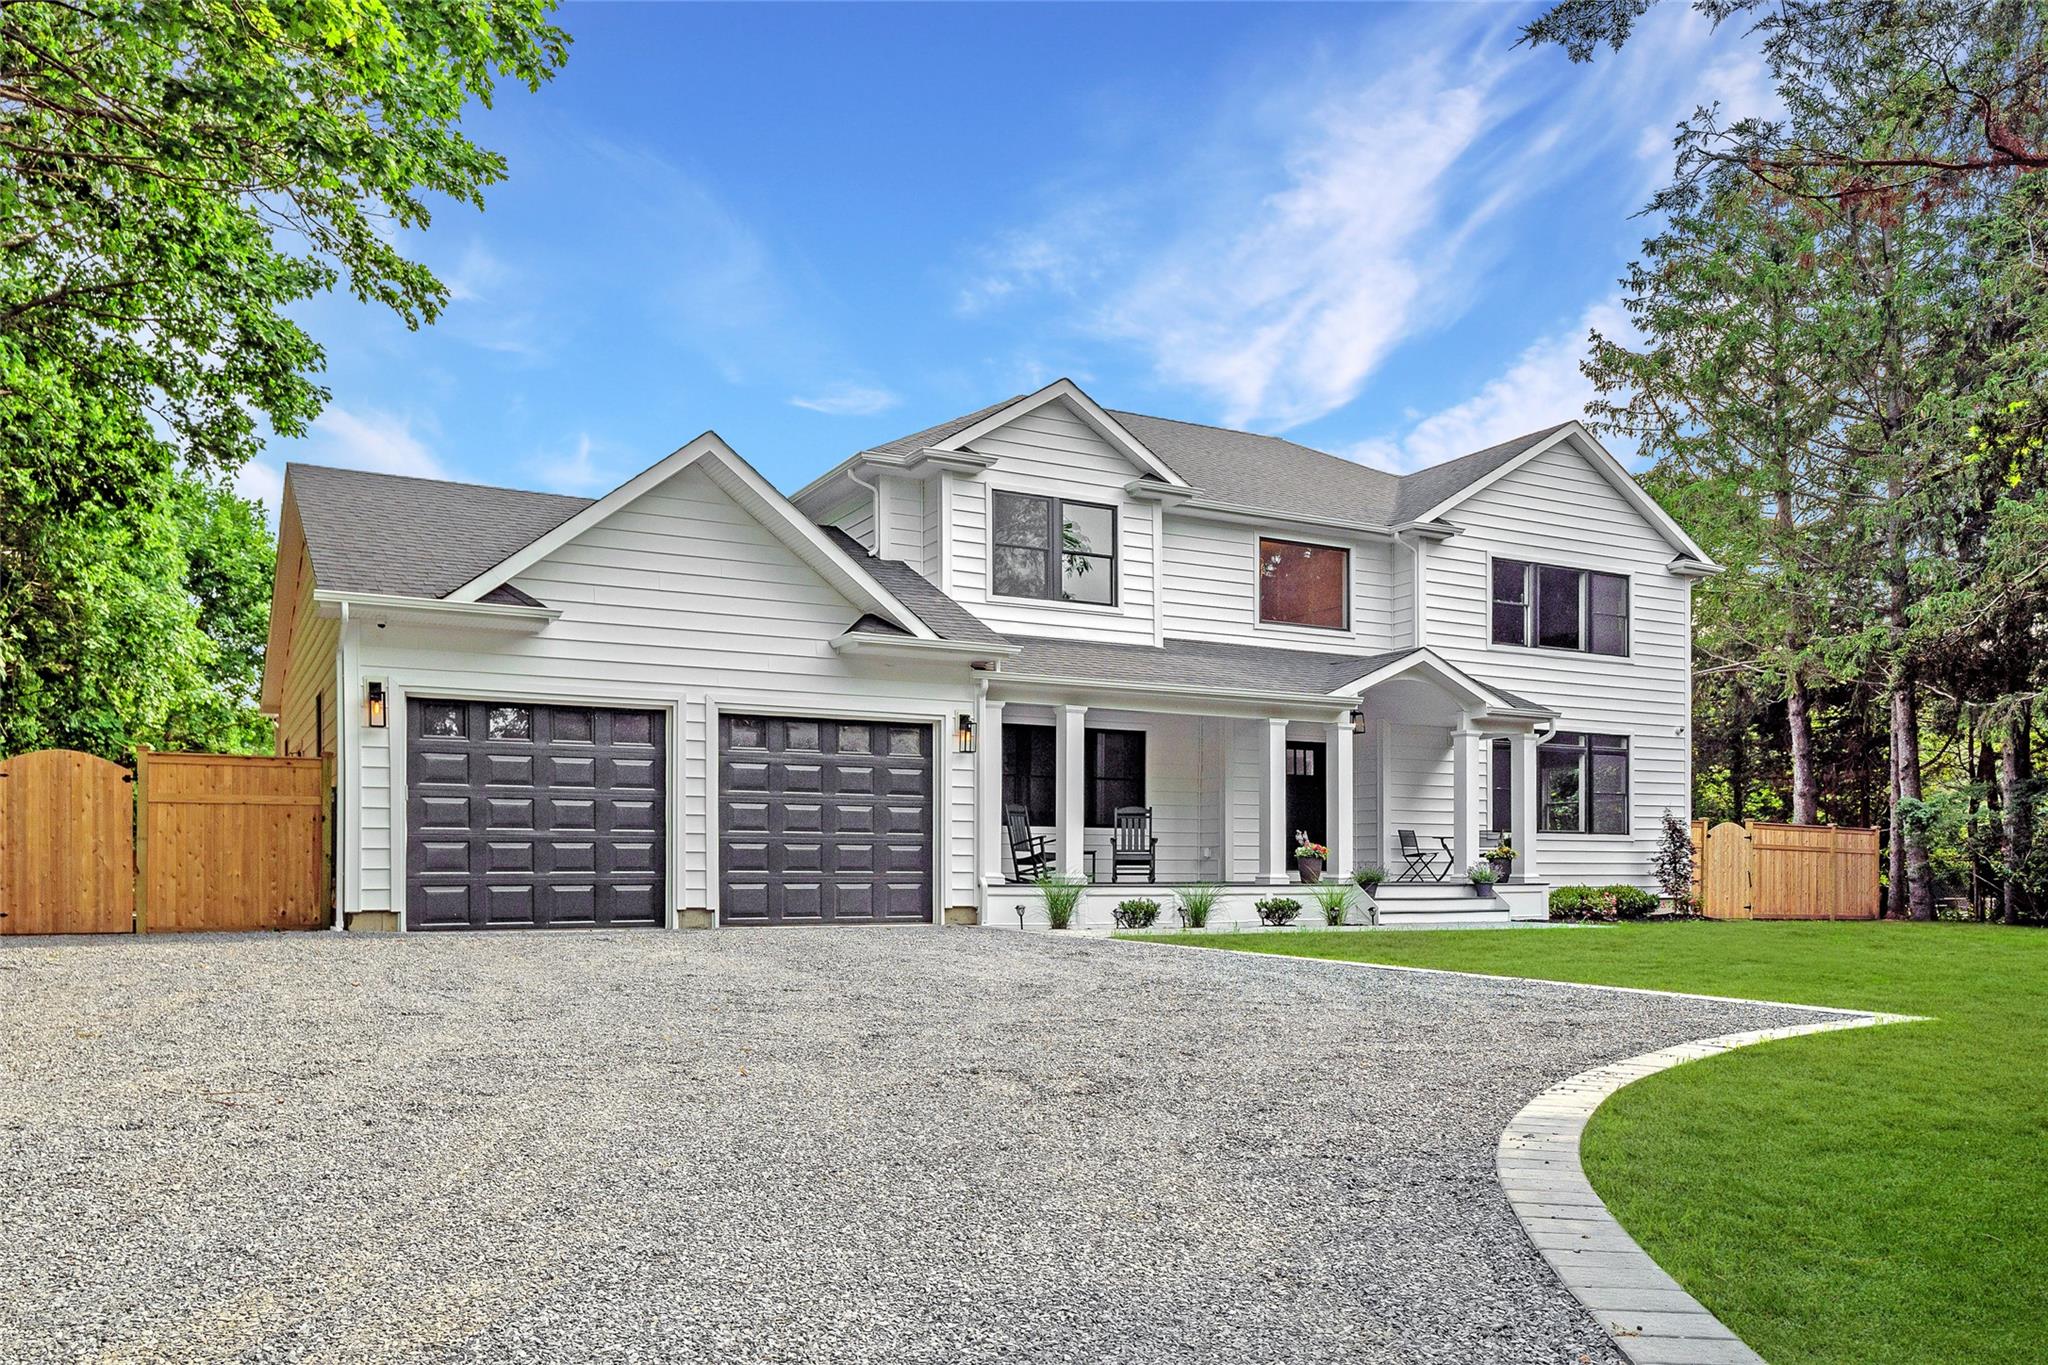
x: 1053, y: 549
x: 1115, y: 774
x: 1549, y: 607
x: 1031, y: 771
x: 1112, y: 775
x: 1304, y: 585
x: 1582, y: 784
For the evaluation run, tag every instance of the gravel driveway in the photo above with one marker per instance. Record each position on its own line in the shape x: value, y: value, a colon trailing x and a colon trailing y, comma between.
x: 798, y: 1145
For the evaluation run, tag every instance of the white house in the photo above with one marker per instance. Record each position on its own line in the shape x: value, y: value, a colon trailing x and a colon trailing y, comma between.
x: 697, y: 701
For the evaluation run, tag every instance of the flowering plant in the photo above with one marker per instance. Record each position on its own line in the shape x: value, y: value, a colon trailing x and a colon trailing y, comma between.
x: 1304, y: 848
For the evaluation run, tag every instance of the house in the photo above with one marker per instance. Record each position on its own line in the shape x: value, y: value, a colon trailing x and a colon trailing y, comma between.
x: 695, y: 700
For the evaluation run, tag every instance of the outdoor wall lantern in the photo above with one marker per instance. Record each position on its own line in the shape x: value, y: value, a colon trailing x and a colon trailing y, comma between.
x: 963, y: 734
x: 376, y: 706
x: 1357, y: 719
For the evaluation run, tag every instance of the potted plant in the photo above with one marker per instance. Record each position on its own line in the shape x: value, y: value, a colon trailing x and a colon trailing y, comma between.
x: 1194, y: 903
x: 1369, y: 878
x: 1502, y: 856
x: 1335, y: 900
x: 1137, y: 913
x: 1061, y: 896
x: 1483, y: 877
x: 1309, y: 857
x: 1279, y: 911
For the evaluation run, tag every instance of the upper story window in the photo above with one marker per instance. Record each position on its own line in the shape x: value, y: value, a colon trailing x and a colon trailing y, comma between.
x: 1053, y: 549
x: 1304, y: 585
x: 1556, y: 608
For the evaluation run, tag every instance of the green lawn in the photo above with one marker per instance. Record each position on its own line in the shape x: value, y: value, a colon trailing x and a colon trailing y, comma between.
x: 1877, y: 1195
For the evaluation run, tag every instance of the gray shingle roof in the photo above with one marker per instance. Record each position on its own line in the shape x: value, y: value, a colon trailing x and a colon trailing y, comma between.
x: 918, y: 440
x: 947, y: 618
x: 1194, y: 663
x: 391, y: 533
x: 1425, y: 488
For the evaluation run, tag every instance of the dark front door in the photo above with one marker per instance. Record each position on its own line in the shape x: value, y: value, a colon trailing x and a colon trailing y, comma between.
x: 1308, y: 806
x: 824, y: 821
x: 522, y: 816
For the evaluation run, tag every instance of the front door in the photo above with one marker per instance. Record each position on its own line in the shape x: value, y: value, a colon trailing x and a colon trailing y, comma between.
x: 1308, y: 803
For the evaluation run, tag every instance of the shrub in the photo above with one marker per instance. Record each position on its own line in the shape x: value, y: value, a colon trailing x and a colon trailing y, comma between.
x: 1193, y: 904
x: 1619, y: 901
x: 1335, y: 899
x: 1482, y: 874
x: 1369, y: 878
x: 1674, y: 861
x: 1279, y: 910
x: 1135, y: 914
x: 1631, y: 902
x: 1061, y: 895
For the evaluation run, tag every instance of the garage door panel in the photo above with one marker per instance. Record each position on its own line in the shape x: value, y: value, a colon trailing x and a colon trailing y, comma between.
x: 854, y: 780
x: 541, y: 839
x: 805, y: 778
x: 743, y: 857
x: 853, y: 901
x: 905, y: 900
x: 740, y: 776
x: 904, y: 820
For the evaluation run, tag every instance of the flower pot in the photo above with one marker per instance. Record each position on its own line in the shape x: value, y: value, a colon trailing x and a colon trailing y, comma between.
x: 1502, y: 867
x: 1311, y: 869
x: 1483, y: 890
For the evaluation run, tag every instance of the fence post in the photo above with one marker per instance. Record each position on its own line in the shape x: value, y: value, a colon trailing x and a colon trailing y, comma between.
x: 142, y: 838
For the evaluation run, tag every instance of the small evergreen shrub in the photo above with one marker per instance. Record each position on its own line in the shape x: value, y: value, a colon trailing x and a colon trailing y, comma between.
x: 1619, y: 901
x: 1673, y: 865
x: 1195, y: 903
x: 1369, y: 878
x: 1279, y: 910
x: 1334, y: 899
x: 1135, y: 914
x: 1061, y: 896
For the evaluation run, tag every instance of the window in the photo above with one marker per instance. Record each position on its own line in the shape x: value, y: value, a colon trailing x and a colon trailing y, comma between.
x: 1304, y: 585
x: 1031, y: 771
x: 1583, y: 784
x: 1502, y: 810
x: 509, y: 722
x: 1055, y: 550
x: 1115, y: 774
x: 1549, y: 607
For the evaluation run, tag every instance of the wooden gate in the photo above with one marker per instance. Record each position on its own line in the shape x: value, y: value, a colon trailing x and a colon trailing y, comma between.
x: 1774, y: 871
x: 67, y: 845
x: 1726, y: 874
x: 229, y: 842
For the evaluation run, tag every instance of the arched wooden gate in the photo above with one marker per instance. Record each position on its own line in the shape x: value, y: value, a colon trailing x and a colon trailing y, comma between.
x: 67, y: 845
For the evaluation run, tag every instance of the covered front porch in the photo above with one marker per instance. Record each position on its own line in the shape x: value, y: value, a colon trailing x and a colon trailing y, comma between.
x: 1225, y: 778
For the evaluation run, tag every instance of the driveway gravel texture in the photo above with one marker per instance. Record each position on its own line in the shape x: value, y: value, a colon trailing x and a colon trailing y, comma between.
x: 850, y: 1145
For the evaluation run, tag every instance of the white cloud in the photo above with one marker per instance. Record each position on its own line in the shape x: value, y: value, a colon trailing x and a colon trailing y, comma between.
x: 848, y: 400
x: 581, y: 470
x: 1542, y: 387
x: 372, y: 439
x: 261, y: 481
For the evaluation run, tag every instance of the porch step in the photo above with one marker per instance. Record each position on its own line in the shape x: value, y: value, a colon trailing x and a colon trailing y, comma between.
x: 1408, y: 892
x: 1443, y: 914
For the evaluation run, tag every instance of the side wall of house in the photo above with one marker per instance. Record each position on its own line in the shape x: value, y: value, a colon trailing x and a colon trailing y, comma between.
x: 681, y: 600
x: 308, y: 693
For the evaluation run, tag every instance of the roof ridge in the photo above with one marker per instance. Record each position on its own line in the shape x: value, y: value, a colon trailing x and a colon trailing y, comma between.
x: 1229, y: 431
x: 446, y: 483
x: 1531, y: 435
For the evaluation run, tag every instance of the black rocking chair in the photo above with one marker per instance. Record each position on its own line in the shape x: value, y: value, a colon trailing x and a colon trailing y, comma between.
x: 1419, y: 863
x: 1030, y: 854
x: 1132, y: 843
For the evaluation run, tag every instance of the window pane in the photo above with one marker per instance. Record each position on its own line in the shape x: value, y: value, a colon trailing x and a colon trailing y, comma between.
x: 1020, y: 573
x: 1115, y: 773
x: 1502, y: 812
x: 1510, y: 599
x: 1087, y: 529
x: 1022, y: 520
x: 1557, y: 607
x: 1607, y: 595
x: 509, y: 722
x: 1610, y: 784
x: 1028, y: 779
x: 1510, y: 623
x: 856, y: 739
x: 745, y: 732
x: 1088, y: 578
x: 441, y: 720
x: 1559, y: 765
x: 801, y: 734
x: 1303, y: 585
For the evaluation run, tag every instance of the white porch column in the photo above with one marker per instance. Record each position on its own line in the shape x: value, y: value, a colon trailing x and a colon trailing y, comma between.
x: 1275, y: 839
x: 1342, y: 747
x: 1466, y: 770
x: 995, y: 847
x: 1524, y: 779
x: 1070, y: 731
x: 1229, y: 866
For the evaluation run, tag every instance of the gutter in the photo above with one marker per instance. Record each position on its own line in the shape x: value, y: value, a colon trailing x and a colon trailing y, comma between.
x: 1317, y: 699
x: 431, y: 607
x: 1267, y: 515
x: 861, y: 643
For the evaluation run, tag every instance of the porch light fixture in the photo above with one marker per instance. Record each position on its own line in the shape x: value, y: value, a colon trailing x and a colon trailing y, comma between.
x: 1357, y: 719
x: 963, y: 734
x: 375, y: 706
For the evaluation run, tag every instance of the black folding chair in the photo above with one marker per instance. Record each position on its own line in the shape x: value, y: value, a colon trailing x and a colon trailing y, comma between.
x: 1419, y: 863
x: 1132, y: 843
x: 1030, y: 854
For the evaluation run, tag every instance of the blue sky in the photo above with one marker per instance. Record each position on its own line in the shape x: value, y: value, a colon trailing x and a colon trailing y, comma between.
x: 1381, y: 230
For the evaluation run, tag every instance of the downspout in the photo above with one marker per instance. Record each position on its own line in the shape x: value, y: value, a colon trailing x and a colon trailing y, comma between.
x: 980, y: 853
x: 344, y: 768
x: 874, y: 516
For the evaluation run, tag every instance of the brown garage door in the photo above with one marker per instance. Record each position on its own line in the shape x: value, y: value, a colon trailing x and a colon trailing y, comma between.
x: 533, y: 817
x: 824, y: 821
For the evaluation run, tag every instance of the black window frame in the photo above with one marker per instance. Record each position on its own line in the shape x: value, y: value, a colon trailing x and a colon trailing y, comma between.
x: 1056, y: 556
x: 1525, y: 609
x: 1501, y: 771
x: 1027, y: 748
x: 1582, y: 752
x: 1259, y: 549
x: 1102, y: 793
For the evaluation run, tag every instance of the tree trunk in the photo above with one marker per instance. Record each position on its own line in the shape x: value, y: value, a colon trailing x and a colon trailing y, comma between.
x: 1805, y: 781
x: 1738, y: 758
x: 1894, y: 843
x: 2015, y: 780
x: 1906, y: 754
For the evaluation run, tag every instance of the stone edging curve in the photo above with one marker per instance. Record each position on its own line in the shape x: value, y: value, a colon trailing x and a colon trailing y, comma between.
x: 1650, y: 1317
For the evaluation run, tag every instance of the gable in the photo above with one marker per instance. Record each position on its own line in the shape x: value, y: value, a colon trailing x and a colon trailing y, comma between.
x: 1561, y: 498
x: 1054, y: 441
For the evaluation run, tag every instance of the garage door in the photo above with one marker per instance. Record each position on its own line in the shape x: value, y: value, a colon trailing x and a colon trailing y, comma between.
x: 533, y: 817
x: 824, y: 821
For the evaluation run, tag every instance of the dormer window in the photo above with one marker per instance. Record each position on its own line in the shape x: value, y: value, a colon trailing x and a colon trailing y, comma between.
x: 1054, y: 550
x: 1304, y: 585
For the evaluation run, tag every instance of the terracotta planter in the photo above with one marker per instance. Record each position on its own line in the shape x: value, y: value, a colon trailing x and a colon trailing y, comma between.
x: 1502, y: 867
x: 1311, y: 869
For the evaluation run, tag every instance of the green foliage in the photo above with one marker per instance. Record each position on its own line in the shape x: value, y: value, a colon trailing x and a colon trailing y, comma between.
x: 1619, y: 901
x: 1061, y: 895
x: 1135, y: 914
x: 1195, y: 903
x: 1672, y: 864
x: 1369, y: 878
x: 1334, y: 899
x: 1482, y: 874
x: 177, y: 177
x: 1278, y: 910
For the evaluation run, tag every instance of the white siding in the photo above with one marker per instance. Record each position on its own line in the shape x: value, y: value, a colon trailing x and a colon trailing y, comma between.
x: 1559, y: 509
x: 1209, y: 575
x: 857, y: 519
x: 308, y: 674
x: 1420, y: 794
x: 900, y: 524
x: 682, y: 599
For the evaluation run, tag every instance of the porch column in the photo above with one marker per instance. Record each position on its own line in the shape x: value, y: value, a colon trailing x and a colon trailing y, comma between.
x: 1524, y: 780
x: 1229, y: 865
x: 989, y: 779
x: 1070, y: 732
x: 1342, y: 747
x: 1465, y: 776
x: 1275, y: 839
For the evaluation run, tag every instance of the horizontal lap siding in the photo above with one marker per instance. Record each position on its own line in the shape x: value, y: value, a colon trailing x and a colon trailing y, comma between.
x: 681, y: 597
x: 1209, y: 572
x: 857, y: 519
x: 308, y: 690
x: 1558, y: 509
x: 1420, y: 794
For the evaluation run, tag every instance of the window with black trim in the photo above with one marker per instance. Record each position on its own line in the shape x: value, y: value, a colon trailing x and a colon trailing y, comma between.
x: 1502, y: 811
x: 1053, y: 549
x: 1549, y: 607
x: 1115, y: 774
x: 1031, y: 771
x: 1582, y: 784
x: 1304, y: 585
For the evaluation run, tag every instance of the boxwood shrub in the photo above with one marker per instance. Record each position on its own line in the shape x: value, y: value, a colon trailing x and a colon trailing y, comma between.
x: 1619, y: 901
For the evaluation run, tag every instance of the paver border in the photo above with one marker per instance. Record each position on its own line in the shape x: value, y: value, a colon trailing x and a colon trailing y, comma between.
x: 1650, y: 1317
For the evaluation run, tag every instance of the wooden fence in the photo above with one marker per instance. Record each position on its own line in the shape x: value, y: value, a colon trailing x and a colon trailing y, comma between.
x: 1762, y: 870
x: 189, y: 842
